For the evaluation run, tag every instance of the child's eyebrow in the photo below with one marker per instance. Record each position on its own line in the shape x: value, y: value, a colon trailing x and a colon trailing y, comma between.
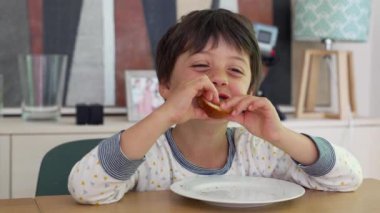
x: 239, y: 58
x: 235, y: 57
x: 207, y: 53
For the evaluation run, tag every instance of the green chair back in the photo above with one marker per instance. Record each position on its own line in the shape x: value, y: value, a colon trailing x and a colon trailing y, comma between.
x: 57, y: 164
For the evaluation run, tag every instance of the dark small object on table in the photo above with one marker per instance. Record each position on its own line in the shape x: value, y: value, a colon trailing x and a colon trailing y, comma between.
x: 82, y: 114
x: 96, y: 114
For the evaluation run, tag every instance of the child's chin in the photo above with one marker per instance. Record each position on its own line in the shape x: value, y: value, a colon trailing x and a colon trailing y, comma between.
x: 214, y: 120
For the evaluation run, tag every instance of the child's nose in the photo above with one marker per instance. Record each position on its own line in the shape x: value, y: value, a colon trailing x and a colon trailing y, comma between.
x: 219, y: 78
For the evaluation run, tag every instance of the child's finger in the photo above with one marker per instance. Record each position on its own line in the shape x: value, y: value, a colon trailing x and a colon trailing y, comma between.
x: 231, y: 102
x: 209, y: 91
x: 236, y: 102
x: 259, y: 103
x: 242, y: 105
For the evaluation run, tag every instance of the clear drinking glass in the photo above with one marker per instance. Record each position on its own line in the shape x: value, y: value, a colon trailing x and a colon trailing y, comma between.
x: 42, y: 79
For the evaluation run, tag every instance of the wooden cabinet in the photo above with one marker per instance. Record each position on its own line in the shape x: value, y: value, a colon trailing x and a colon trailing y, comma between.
x: 27, y: 153
x: 23, y: 144
x: 361, y: 139
x: 4, y: 166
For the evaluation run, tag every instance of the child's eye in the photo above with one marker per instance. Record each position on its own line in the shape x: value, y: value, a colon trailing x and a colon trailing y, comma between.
x: 200, y: 65
x: 237, y: 71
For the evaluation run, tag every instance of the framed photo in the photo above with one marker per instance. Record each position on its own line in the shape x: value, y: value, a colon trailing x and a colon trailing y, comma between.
x: 141, y: 93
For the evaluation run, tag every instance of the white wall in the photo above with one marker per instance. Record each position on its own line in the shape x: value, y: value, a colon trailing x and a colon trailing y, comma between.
x: 366, y: 65
x: 375, y: 66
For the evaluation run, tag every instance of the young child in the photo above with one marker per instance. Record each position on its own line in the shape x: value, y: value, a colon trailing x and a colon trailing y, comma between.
x: 210, y: 54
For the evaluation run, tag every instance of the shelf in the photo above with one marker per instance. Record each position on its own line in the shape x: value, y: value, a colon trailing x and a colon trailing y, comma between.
x: 15, y: 125
x: 356, y: 122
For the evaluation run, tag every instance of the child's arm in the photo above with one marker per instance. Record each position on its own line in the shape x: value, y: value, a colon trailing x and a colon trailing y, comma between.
x: 106, y: 173
x: 259, y: 117
x: 335, y: 170
x: 179, y: 107
x: 319, y: 164
x: 89, y: 183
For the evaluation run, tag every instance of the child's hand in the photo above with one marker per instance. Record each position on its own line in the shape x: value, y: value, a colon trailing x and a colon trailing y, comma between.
x: 181, y: 105
x: 257, y: 115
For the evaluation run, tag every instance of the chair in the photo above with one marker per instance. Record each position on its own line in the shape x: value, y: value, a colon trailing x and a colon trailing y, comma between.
x: 57, y: 164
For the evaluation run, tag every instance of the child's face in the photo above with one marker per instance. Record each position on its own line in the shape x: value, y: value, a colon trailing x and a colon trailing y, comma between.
x: 227, y: 68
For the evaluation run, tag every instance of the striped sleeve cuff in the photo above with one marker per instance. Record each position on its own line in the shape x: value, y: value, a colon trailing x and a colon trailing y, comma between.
x: 113, y: 160
x: 325, y: 161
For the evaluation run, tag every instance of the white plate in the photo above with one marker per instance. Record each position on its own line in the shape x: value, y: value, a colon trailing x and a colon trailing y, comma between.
x: 237, y: 191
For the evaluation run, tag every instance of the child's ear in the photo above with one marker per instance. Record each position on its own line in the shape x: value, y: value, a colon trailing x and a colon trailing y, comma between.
x: 163, y: 88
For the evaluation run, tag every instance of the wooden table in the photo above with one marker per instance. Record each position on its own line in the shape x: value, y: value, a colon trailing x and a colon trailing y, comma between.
x: 19, y: 205
x: 365, y: 199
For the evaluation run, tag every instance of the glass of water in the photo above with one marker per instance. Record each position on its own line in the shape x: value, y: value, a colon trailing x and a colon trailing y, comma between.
x: 42, y: 79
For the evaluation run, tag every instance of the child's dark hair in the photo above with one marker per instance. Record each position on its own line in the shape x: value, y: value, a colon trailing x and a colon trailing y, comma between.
x: 194, y: 31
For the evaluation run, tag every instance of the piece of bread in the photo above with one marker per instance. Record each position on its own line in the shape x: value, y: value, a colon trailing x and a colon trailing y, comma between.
x: 211, y: 109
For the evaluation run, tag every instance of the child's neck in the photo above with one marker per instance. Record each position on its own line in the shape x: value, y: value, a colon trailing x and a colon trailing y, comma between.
x: 203, y: 144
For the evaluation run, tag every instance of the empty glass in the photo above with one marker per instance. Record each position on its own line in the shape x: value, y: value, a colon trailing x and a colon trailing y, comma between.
x: 42, y: 79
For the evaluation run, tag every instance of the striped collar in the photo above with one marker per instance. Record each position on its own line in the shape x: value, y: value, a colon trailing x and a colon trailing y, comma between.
x: 199, y: 170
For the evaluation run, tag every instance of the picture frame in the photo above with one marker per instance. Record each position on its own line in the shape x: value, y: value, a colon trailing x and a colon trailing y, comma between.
x: 142, y: 93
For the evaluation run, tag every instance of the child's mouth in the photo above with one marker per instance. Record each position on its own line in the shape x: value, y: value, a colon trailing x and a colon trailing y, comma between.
x: 223, y: 97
